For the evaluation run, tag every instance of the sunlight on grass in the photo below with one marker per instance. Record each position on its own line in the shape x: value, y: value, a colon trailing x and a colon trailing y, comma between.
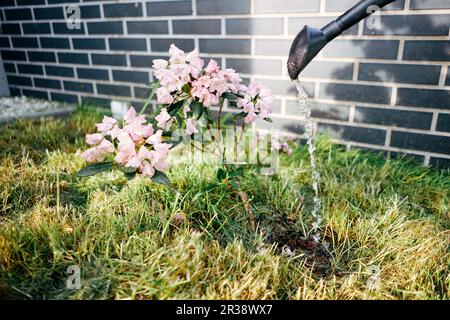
x: 139, y: 240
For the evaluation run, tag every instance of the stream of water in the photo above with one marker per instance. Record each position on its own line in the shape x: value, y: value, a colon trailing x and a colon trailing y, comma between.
x: 305, y: 110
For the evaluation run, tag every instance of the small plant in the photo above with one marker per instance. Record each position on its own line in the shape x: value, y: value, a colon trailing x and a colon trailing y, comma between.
x: 186, y: 89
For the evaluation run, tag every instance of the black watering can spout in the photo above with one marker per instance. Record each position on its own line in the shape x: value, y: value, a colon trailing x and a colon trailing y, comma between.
x: 308, y: 43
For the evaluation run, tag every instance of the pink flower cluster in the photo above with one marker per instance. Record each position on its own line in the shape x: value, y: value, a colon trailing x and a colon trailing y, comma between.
x: 135, y: 145
x: 257, y: 101
x: 184, y: 76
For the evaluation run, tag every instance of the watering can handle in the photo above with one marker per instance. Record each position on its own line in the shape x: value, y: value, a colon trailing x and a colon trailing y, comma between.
x: 353, y: 16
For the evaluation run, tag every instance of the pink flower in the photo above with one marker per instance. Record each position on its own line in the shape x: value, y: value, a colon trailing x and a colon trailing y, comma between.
x: 176, y: 55
x: 107, y: 124
x: 93, y: 139
x: 190, y: 126
x: 186, y: 109
x: 155, y: 138
x: 148, y: 170
x: 98, y: 153
x: 164, y: 96
x: 250, y: 117
x: 286, y: 149
x: 132, y: 117
x: 125, y: 151
x: 164, y: 119
x: 212, y: 67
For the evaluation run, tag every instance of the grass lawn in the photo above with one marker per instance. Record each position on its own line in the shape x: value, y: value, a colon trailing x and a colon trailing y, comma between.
x: 386, y: 224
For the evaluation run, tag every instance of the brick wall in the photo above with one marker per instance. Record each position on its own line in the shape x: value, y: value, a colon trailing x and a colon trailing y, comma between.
x: 385, y: 89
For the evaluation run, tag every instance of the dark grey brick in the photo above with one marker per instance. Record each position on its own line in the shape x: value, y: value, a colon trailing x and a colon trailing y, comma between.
x: 52, y: 13
x: 15, y: 91
x: 198, y: 26
x: 14, y: 55
x: 128, y: 44
x: 374, y: 49
x: 429, y: 4
x: 356, y: 134
x: 90, y: 12
x: 91, y: 73
x: 131, y: 76
x: 59, y: 71
x: 447, y: 78
x: 147, y: 27
x: 443, y: 122
x: 400, y: 73
x: 19, y: 80
x: 109, y: 59
x: 61, y: 28
x: 29, y: 2
x: 326, y: 70
x: 354, y: 92
x: 297, y: 23
x: 270, y: 6
x: 141, y: 92
x: 7, y: 3
x: 4, y: 42
x: 55, y: 43
x: 144, y: 61
x: 78, y: 86
x: 36, y: 28
x: 419, y: 141
x: 286, y: 125
x: 230, y: 46
x: 117, y: 10
x: 276, y: 47
x: 255, y: 66
x: 411, y: 25
x: 30, y: 69
x: 18, y: 14
x: 285, y: 87
x: 47, y: 83
x: 24, y: 42
x: 105, y: 27
x: 93, y: 101
x: 321, y: 110
x: 70, y: 57
x: 35, y: 94
x: 251, y: 26
x: 169, y: 8
x: 423, y: 98
x: 10, y: 67
x: 216, y: 7
x: 427, y: 50
x: 440, y: 163
x: 344, y: 5
x: 114, y: 90
x: 398, y: 118
x: 61, y: 1
x: 41, y: 56
x: 89, y: 43
x: 162, y: 45
x: 69, y: 98
x: 10, y: 28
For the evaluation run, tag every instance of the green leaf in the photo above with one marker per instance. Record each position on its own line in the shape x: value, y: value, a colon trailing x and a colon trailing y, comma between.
x: 268, y: 120
x: 210, y: 187
x: 127, y: 169
x: 179, y: 121
x: 160, y: 177
x: 240, y: 115
x: 150, y: 97
x: 130, y: 175
x: 221, y: 174
x: 94, y: 169
x: 234, y: 185
x: 197, y: 109
x: 173, y: 108
x: 230, y: 96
